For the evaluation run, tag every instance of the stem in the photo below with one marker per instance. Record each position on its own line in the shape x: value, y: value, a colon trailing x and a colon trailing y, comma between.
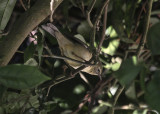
x: 92, y: 40
x: 104, y: 28
x: 88, y: 13
x: 145, y: 28
x: 118, y: 93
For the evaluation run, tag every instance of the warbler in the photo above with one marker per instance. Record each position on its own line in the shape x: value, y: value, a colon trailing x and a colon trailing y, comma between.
x: 74, y: 49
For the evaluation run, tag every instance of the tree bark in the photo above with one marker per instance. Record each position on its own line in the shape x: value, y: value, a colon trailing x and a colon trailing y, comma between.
x: 22, y: 27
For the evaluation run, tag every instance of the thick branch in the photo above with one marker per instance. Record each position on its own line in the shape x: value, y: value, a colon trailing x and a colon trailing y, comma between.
x: 22, y: 27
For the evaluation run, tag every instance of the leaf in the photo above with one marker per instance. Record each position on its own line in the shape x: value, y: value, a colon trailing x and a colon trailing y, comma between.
x: 113, y: 44
x: 153, y: 39
x: 117, y: 17
x: 129, y: 14
x: 2, y: 91
x: 131, y: 91
x: 84, y: 29
x: 31, y: 62
x: 152, y: 92
x: 40, y: 41
x: 21, y: 76
x: 29, y: 51
x: 6, y: 8
x: 80, y: 37
x: 128, y: 71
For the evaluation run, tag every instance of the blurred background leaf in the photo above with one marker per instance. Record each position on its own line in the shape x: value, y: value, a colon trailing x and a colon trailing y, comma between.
x: 6, y: 8
x: 153, y: 39
x: 21, y: 76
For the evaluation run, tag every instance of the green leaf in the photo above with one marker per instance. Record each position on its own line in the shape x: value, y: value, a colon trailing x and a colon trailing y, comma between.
x: 131, y: 92
x: 29, y: 51
x: 2, y: 110
x: 84, y: 29
x: 80, y: 37
x: 6, y: 8
x: 40, y: 41
x: 129, y: 14
x: 21, y: 76
x: 31, y: 62
x: 152, y: 92
x: 113, y: 44
x: 2, y: 91
x: 128, y: 71
x: 153, y: 39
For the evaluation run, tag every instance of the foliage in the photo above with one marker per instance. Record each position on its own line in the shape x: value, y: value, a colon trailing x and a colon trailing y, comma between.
x: 36, y: 82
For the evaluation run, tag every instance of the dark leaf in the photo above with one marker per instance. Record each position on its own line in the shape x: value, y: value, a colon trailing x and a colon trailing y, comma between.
x: 129, y: 69
x: 40, y: 45
x: 152, y: 92
x: 21, y: 76
x: 153, y: 39
x: 29, y: 51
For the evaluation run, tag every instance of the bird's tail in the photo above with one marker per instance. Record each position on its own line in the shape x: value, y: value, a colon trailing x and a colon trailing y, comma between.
x: 50, y: 28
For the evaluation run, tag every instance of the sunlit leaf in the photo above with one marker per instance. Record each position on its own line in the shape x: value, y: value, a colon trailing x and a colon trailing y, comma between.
x: 113, y: 44
x: 79, y: 89
x: 21, y: 76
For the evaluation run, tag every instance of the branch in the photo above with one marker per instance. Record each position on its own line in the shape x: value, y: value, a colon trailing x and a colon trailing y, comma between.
x: 89, y: 97
x: 66, y: 58
x: 88, y: 13
x: 92, y: 39
x: 118, y: 93
x: 104, y: 27
x: 145, y: 28
x: 59, y: 57
x: 22, y: 27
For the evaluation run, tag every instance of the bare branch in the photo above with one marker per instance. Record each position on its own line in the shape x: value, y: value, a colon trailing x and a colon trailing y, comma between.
x: 145, y: 28
x: 88, y: 13
x: 104, y: 28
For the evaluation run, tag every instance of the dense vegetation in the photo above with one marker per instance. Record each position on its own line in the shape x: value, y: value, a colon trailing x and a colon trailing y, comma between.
x: 123, y: 34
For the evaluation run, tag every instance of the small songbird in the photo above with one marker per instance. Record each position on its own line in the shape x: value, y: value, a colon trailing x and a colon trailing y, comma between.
x: 74, y: 49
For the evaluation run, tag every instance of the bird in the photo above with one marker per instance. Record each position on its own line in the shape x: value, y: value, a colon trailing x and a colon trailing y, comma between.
x: 74, y: 49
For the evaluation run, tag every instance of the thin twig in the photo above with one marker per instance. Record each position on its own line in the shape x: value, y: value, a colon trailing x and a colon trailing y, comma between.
x: 138, y: 19
x: 104, y: 28
x: 118, y: 93
x: 130, y: 107
x: 61, y: 57
x: 21, y: 1
x: 88, y: 13
x: 57, y: 81
x: 145, y: 28
x: 67, y: 58
x: 95, y: 26
x: 89, y: 96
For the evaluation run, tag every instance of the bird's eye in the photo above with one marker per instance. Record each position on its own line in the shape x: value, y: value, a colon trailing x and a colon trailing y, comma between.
x: 98, y: 71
